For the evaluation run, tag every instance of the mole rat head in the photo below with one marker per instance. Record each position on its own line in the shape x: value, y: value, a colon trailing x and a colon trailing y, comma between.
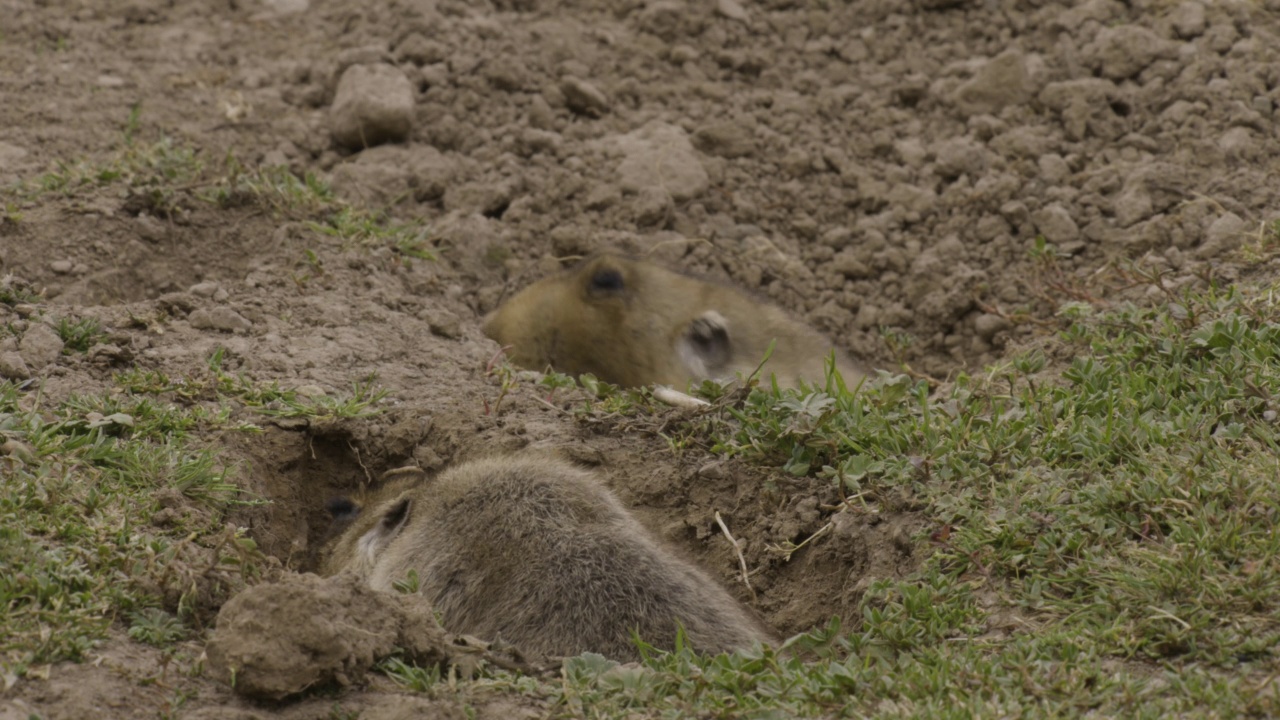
x: 576, y: 321
x: 364, y: 532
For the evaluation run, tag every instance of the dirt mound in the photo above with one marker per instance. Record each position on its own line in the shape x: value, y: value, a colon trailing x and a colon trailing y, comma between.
x: 278, y: 639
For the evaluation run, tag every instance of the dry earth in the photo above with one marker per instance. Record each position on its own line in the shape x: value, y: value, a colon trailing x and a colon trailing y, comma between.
x: 875, y: 165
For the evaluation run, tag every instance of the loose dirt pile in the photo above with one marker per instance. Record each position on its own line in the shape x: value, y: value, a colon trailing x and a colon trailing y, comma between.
x: 278, y: 639
x: 877, y: 168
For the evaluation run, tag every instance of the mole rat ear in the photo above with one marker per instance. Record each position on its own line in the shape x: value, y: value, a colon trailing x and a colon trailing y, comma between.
x: 396, y: 516
x: 389, y: 526
x: 705, y: 347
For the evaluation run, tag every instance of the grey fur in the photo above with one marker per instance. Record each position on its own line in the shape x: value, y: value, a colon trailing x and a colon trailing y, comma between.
x: 537, y: 552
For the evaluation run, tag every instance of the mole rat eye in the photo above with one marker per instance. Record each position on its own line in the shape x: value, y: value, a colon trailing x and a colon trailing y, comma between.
x: 606, y: 280
x: 342, y: 509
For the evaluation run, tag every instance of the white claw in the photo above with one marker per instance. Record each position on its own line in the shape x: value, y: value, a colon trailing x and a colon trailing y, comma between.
x: 675, y: 398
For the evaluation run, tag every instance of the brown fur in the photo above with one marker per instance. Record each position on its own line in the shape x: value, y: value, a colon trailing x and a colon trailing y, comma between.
x: 631, y: 322
x: 538, y: 553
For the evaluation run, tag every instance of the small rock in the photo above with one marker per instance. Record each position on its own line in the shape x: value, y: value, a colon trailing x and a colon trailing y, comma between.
x: 652, y: 207
x: 310, y: 391
x: 373, y: 105
x: 1220, y: 37
x: 669, y: 20
x: 726, y: 139
x: 541, y: 116
x: 1086, y: 107
x: 11, y: 154
x: 533, y: 141
x: 911, y: 90
x: 1124, y: 51
x: 488, y: 199
x: 204, y: 289
x: 446, y: 325
x: 602, y: 197
x: 40, y: 345
x: 660, y: 155
x: 1053, y: 168
x: 371, y: 54
x: 177, y: 303
x: 1003, y: 81
x: 1132, y: 205
x: 150, y: 229
x: 960, y: 156
x: 868, y: 316
x: 1055, y: 223
x: 505, y: 74
x: 62, y: 267
x: 911, y: 152
x: 435, y: 74
x: 1224, y: 235
x: 287, y: 7
x: 13, y: 367
x: 837, y: 238
x: 732, y: 10
x: 987, y: 325
x: 17, y: 449
x: 1188, y: 20
x: 681, y: 54
x: 417, y: 49
x: 376, y: 177
x: 219, y: 318
x: 25, y: 310
x: 1237, y: 143
x: 583, y: 98
x: 847, y: 264
x: 109, y: 354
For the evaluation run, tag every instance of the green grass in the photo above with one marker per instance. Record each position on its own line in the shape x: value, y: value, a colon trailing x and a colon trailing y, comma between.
x: 112, y: 509
x: 82, y: 541
x: 16, y: 292
x: 359, y: 404
x: 168, y: 178
x: 1116, y: 515
x: 274, y: 187
x: 157, y: 177
x: 79, y: 335
x: 263, y: 398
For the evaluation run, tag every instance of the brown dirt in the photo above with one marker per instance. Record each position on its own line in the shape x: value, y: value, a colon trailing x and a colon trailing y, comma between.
x: 874, y: 164
x: 277, y: 639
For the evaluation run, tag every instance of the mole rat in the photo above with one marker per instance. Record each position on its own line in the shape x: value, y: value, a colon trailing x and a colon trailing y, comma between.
x: 631, y: 322
x: 537, y: 552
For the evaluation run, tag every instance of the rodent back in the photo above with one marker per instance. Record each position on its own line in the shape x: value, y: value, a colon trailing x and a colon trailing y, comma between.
x: 527, y: 538
x: 631, y: 323
x: 539, y: 553
x: 610, y: 316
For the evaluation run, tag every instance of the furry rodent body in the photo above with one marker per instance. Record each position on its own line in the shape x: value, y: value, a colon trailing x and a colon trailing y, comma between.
x: 537, y: 552
x: 631, y: 322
